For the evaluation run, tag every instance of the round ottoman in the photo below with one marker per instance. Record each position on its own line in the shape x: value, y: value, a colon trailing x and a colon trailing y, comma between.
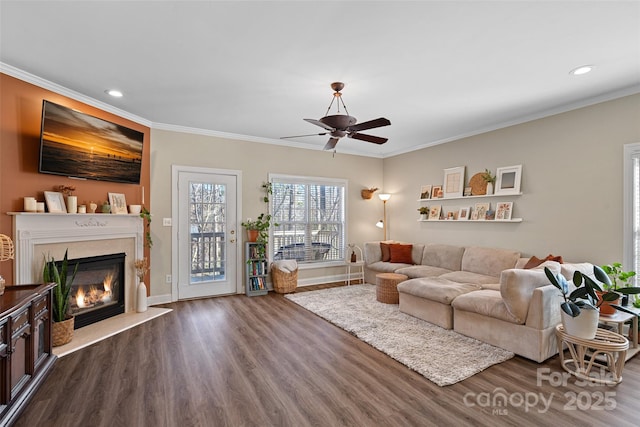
x: 387, y: 287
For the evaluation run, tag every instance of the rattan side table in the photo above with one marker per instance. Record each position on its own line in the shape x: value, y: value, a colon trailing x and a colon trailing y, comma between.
x: 387, y: 287
x: 607, y: 350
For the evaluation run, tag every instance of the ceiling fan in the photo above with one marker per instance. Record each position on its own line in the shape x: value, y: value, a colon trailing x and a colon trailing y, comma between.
x: 339, y: 125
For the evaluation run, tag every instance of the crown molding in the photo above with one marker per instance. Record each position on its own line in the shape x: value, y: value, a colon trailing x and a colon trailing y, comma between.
x: 61, y: 90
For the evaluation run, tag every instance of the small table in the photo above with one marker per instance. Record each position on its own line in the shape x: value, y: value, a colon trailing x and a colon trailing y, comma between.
x: 387, y: 287
x: 620, y: 318
x: 359, y: 266
x: 607, y: 350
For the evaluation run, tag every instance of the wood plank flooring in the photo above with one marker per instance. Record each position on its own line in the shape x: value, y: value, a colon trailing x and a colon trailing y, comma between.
x: 264, y: 361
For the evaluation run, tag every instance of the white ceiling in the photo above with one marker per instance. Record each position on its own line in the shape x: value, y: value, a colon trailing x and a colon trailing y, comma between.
x: 438, y: 70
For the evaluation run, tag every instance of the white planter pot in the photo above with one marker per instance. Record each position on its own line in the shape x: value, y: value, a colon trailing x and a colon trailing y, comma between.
x: 583, y: 326
x: 72, y: 204
x: 489, y: 188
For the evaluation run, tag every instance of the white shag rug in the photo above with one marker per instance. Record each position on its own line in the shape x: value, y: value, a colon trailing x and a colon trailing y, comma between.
x: 442, y: 356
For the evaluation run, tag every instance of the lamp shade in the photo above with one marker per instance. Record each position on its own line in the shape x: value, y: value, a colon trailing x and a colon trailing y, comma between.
x: 380, y: 224
x: 384, y: 196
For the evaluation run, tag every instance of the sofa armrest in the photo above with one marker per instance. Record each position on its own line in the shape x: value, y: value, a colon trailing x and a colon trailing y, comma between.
x: 544, y: 309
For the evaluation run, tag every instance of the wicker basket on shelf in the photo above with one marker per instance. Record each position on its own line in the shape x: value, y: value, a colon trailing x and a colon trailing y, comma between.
x: 283, y: 282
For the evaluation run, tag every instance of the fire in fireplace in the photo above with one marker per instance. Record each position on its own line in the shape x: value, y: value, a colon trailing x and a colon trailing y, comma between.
x: 97, y: 292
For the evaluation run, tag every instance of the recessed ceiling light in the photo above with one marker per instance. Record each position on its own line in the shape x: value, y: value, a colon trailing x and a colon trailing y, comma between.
x: 584, y: 69
x: 114, y: 92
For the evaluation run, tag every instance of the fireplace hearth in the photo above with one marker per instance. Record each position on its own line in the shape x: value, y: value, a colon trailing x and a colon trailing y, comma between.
x: 97, y: 292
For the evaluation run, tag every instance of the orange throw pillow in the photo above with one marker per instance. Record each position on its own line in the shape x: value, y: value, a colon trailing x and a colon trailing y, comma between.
x: 401, y: 253
x: 386, y: 251
x: 535, y: 261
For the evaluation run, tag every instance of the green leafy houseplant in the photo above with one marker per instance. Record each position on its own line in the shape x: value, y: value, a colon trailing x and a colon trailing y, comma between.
x: 262, y: 223
x: 59, y: 276
x: 581, y: 298
x: 488, y: 177
x: 423, y: 210
x: 620, y: 281
x: 146, y: 215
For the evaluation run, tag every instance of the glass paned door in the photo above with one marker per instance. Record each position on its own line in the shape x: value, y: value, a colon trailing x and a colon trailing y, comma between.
x: 207, y: 238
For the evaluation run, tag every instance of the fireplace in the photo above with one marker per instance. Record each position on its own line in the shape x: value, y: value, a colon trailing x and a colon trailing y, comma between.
x: 97, y: 292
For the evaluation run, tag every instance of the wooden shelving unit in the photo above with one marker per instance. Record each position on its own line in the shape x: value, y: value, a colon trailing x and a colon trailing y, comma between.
x: 257, y: 269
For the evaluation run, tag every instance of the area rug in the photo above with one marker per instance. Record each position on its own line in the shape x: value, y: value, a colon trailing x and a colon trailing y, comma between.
x: 442, y: 356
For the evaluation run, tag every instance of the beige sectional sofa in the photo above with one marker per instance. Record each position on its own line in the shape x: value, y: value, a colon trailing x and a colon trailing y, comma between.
x: 484, y: 293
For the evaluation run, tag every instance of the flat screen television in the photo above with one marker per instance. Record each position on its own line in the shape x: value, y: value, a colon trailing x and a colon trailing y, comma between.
x: 78, y: 145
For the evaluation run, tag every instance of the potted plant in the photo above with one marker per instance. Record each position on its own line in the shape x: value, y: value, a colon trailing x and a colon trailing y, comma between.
x: 620, y: 285
x: 424, y: 212
x: 579, y: 309
x: 258, y: 230
x: 490, y: 180
x: 63, y: 321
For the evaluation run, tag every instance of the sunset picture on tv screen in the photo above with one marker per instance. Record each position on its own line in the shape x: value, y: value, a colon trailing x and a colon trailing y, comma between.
x: 79, y: 145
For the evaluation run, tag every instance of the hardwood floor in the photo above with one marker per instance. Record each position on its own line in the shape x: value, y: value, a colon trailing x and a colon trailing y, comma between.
x: 264, y: 361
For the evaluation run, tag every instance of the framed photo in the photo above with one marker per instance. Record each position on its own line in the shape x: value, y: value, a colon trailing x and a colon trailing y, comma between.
x: 434, y: 212
x: 55, y: 202
x: 467, y: 191
x: 508, y: 180
x: 454, y: 182
x: 436, y: 192
x: 118, y: 203
x: 480, y: 212
x: 425, y: 192
x: 503, y: 211
x: 463, y: 213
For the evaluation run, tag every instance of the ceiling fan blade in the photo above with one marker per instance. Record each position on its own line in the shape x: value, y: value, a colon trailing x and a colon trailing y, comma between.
x: 368, y: 138
x: 319, y: 123
x: 300, y: 136
x: 331, y: 144
x: 376, y: 123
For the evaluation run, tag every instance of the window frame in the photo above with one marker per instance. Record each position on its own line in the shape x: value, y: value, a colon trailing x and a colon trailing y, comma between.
x: 631, y: 210
x: 312, y: 180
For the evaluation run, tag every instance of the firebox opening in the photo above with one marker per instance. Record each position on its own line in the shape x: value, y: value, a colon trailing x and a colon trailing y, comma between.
x: 97, y: 292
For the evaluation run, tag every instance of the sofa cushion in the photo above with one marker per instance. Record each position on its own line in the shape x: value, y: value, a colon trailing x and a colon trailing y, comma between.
x: 488, y: 261
x: 470, y: 277
x: 436, y: 289
x: 385, y: 250
x: 486, y: 302
x: 444, y: 256
x: 422, y: 271
x: 401, y: 253
x: 568, y: 269
x: 517, y: 286
x: 387, y: 267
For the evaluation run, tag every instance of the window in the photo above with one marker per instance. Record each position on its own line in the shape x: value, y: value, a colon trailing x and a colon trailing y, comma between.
x: 632, y: 208
x: 310, y: 213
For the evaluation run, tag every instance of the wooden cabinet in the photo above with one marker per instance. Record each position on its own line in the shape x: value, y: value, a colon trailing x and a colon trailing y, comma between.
x: 257, y: 268
x: 25, y: 345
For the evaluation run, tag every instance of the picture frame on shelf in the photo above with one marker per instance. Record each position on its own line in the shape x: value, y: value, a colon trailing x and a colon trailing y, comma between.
x: 480, y: 211
x: 434, y: 212
x: 436, y: 192
x: 508, y: 180
x: 467, y: 191
x: 118, y: 203
x: 453, y: 182
x: 503, y: 211
x: 425, y: 192
x: 464, y: 213
x: 55, y: 202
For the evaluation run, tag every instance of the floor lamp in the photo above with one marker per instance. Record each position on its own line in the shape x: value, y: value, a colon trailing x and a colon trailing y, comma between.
x: 383, y: 222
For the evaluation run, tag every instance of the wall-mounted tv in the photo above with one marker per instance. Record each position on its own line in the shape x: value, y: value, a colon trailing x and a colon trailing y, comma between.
x: 78, y: 145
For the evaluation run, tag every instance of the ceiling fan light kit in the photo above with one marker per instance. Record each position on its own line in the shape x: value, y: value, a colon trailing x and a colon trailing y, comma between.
x: 340, y: 125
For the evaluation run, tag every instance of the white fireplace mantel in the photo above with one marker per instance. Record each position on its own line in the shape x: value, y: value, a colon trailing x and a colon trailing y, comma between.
x: 87, y: 235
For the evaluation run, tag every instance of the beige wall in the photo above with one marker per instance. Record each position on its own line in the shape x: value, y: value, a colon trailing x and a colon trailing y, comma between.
x: 571, y: 183
x: 256, y: 161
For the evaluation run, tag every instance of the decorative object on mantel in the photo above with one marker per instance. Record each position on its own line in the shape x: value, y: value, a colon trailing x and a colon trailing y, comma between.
x: 63, y: 321
x: 55, y: 202
x: 92, y: 207
x: 118, y: 203
x: 367, y: 193
x: 29, y: 204
x: 106, y: 207
x: 141, y: 266
x: 72, y: 201
x: 6, y: 253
